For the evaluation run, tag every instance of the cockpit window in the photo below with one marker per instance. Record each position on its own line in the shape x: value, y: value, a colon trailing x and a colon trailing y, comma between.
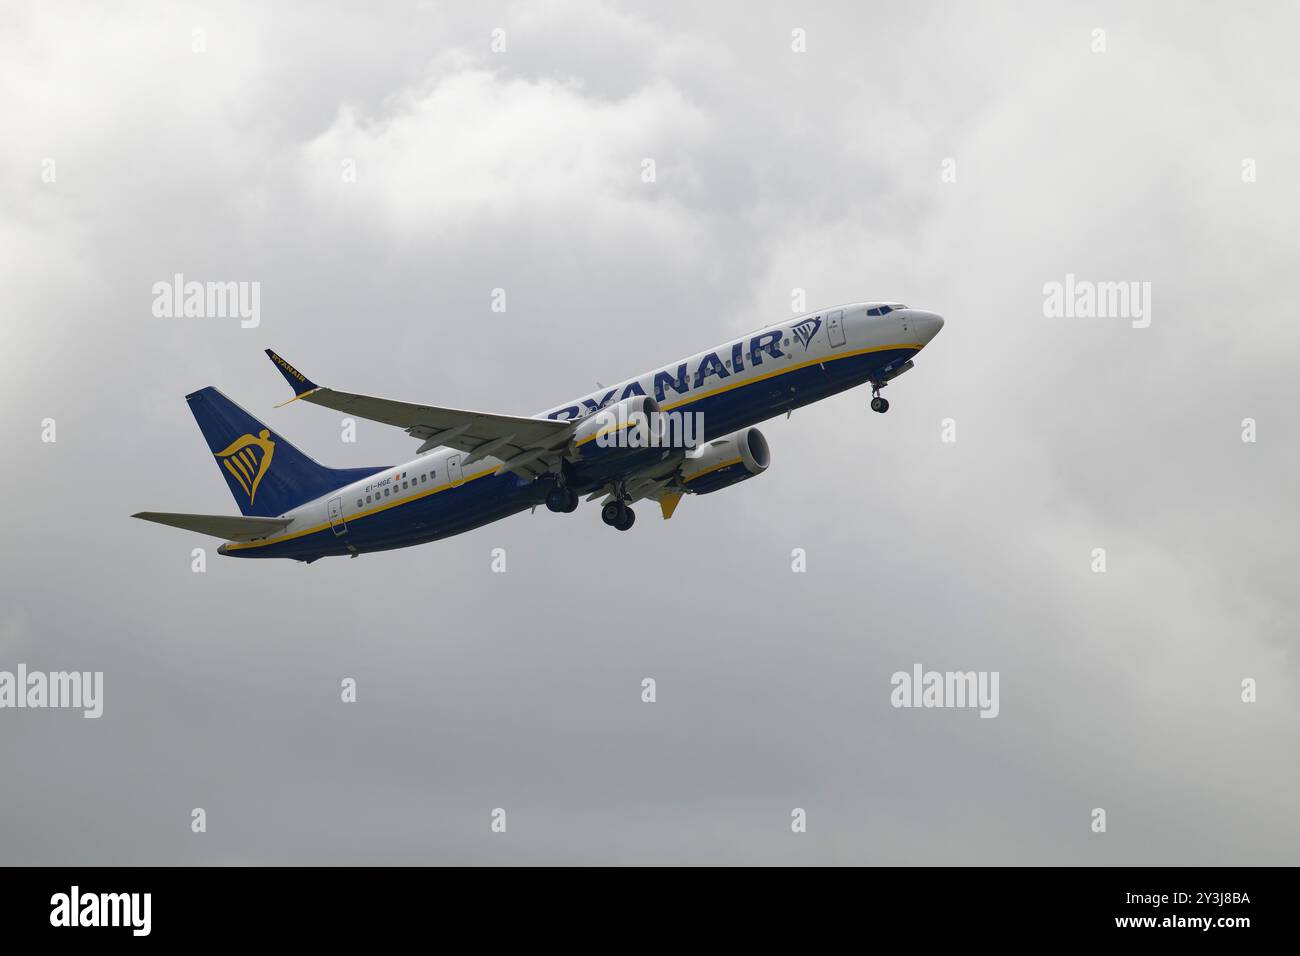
x: 884, y: 309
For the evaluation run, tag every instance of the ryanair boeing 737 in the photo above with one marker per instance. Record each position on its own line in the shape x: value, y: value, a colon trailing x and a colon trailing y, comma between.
x: 475, y: 467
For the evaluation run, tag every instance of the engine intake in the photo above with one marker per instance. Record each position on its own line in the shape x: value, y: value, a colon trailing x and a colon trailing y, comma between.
x: 725, y: 461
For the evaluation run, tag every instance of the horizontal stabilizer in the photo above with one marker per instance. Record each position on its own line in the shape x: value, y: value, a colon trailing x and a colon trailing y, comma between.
x: 219, y: 526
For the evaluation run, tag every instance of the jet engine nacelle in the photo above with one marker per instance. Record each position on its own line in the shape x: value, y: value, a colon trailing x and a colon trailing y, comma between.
x: 631, y: 425
x: 725, y: 461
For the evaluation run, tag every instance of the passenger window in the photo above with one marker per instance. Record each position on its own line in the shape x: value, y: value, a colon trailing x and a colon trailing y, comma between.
x: 367, y: 499
x: 385, y: 492
x: 358, y: 502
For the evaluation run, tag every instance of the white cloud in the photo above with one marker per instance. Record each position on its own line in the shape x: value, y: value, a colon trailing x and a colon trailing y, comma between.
x: 475, y: 149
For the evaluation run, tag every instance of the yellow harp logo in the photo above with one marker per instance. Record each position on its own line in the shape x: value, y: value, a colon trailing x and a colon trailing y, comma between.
x: 248, y: 458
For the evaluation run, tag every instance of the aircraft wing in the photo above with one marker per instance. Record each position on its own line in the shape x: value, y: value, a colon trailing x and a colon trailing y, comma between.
x: 524, y: 444
x: 219, y: 526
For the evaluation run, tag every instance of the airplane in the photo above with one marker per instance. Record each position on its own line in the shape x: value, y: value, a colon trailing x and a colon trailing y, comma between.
x: 684, y: 428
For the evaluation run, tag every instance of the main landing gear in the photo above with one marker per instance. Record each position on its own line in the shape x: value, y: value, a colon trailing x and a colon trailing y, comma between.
x: 878, y: 404
x: 562, y: 499
x: 617, y: 515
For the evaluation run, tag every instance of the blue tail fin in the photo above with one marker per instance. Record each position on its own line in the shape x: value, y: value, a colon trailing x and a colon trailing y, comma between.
x: 266, y: 474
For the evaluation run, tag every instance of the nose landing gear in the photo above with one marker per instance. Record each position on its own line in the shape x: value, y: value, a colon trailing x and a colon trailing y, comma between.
x: 887, y: 375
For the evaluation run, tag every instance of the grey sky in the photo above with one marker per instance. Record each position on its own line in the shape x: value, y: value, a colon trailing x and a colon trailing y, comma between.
x: 775, y: 170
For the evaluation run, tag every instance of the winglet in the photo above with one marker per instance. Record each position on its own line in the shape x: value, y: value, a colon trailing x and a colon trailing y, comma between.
x: 668, y: 503
x: 300, y: 383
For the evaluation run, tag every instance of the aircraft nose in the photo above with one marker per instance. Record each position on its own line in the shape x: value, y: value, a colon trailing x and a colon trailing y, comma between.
x: 927, y: 325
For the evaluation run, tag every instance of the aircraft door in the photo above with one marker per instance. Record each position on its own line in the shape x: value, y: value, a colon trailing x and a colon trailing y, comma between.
x: 335, y: 511
x: 455, y: 475
x: 835, y: 327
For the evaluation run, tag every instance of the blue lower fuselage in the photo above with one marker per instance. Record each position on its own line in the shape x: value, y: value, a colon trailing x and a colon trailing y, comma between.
x: 486, y: 498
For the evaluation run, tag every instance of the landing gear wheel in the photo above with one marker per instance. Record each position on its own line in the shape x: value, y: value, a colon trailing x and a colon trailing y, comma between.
x: 562, y: 499
x: 617, y: 515
x: 879, y: 404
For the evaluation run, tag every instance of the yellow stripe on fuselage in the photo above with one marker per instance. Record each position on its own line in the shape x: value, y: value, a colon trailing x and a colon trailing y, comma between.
x: 239, y: 545
x: 789, y: 368
x: 360, y: 514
